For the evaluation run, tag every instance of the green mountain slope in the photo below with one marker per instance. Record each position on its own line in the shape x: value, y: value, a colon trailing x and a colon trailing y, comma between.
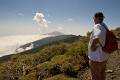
x: 48, y: 41
x: 39, y: 44
x: 55, y: 59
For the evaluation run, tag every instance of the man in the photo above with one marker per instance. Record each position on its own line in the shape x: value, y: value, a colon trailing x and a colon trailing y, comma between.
x: 97, y: 57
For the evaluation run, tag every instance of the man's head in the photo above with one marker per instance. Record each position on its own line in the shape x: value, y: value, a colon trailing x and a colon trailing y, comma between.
x: 98, y: 17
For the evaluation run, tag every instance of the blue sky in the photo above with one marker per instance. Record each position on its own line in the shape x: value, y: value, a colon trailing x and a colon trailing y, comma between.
x: 67, y: 16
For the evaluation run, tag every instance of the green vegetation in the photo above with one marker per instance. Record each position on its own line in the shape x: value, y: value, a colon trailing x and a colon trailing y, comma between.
x: 53, y: 62
x: 61, y: 77
x: 60, y: 61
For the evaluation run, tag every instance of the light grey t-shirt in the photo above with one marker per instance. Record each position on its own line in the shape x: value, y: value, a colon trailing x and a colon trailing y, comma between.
x: 99, y: 31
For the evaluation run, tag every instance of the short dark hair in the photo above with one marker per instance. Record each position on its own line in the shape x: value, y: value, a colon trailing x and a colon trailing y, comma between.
x: 99, y: 14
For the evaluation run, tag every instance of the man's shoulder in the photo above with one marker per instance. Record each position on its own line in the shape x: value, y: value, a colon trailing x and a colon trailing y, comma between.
x: 97, y: 26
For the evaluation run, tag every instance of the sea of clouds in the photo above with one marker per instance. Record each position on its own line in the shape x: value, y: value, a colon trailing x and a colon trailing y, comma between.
x: 8, y: 44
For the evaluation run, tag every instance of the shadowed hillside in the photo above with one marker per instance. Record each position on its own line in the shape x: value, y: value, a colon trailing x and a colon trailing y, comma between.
x: 39, y: 44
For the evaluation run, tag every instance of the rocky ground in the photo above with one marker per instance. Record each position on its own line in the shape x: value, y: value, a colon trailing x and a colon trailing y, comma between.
x: 113, y: 67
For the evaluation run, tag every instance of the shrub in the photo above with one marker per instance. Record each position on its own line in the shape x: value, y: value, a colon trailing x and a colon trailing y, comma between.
x: 61, y: 77
x: 77, y: 48
x: 31, y: 76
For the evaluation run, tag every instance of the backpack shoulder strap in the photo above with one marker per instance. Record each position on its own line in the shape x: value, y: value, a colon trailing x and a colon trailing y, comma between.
x: 104, y: 26
x: 100, y: 44
x: 106, y: 32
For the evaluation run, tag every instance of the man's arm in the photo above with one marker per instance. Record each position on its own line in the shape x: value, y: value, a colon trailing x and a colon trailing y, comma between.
x: 95, y: 44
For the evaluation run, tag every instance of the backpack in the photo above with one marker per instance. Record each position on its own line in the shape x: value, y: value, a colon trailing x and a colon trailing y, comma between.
x: 110, y: 43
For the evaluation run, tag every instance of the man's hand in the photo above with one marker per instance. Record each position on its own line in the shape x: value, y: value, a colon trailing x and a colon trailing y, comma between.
x: 95, y: 44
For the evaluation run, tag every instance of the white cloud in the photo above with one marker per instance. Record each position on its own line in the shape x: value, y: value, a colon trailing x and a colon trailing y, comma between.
x: 60, y: 28
x: 69, y: 19
x: 40, y: 19
x: 20, y: 14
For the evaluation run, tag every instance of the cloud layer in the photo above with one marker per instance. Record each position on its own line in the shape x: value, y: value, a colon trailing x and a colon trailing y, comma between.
x: 40, y: 19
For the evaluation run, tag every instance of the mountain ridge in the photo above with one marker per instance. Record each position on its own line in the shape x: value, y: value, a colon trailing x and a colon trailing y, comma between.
x: 54, y: 33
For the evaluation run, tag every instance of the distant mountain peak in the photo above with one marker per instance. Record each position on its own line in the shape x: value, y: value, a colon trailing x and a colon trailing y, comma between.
x: 55, y: 33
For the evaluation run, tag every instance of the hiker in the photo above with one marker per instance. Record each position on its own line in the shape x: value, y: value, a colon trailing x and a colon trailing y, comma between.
x: 97, y: 57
